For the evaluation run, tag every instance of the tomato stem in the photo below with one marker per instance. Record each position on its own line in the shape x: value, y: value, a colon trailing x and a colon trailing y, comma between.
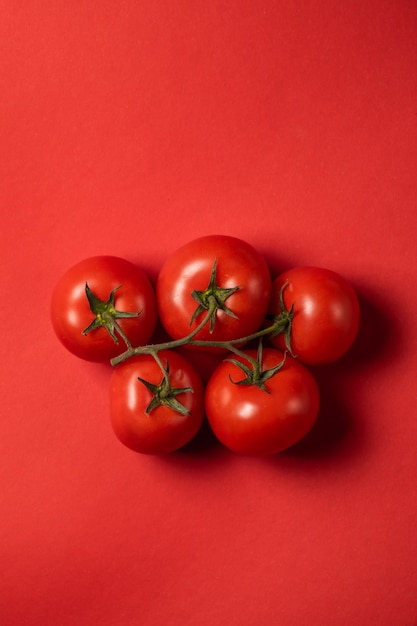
x: 232, y: 342
x: 284, y: 320
x: 161, y: 365
x: 188, y: 340
x: 213, y: 294
x: 164, y: 393
x: 106, y: 315
x: 122, y: 334
x: 167, y: 345
x: 245, y: 356
x: 230, y: 345
x: 256, y: 376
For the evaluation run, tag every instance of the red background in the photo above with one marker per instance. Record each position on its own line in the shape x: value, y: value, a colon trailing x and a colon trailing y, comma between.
x: 129, y: 128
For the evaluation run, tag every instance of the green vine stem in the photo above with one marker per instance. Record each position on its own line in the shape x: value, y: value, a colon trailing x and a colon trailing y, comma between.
x: 123, y: 335
x: 164, y: 393
x: 230, y: 345
x: 167, y: 345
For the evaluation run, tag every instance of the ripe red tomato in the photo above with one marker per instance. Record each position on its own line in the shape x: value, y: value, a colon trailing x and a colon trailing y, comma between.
x: 130, y: 299
x: 249, y: 420
x: 326, y: 313
x: 163, y: 429
x: 219, y: 266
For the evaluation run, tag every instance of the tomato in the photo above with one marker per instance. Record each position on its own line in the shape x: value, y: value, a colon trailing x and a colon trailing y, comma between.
x: 103, y: 282
x: 325, y: 315
x: 162, y: 429
x: 250, y: 420
x: 216, y: 268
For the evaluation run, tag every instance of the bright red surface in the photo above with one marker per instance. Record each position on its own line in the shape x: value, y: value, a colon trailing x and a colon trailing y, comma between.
x: 130, y: 128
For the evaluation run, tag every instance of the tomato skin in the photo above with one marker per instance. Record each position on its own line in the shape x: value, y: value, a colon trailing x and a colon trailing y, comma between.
x: 163, y: 430
x: 189, y: 268
x: 250, y: 421
x: 326, y: 313
x: 71, y: 314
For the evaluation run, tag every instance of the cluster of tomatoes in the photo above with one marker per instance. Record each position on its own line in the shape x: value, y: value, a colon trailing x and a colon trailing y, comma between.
x: 213, y: 295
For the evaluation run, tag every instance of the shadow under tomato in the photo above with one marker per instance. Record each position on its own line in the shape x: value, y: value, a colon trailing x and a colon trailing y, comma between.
x: 378, y: 341
x: 379, y: 336
x: 333, y: 431
x: 203, y: 444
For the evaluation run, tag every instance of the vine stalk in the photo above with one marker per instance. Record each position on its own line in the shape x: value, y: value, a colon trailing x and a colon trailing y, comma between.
x: 229, y: 345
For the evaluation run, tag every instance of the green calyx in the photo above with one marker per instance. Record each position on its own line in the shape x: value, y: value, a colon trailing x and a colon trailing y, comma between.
x: 164, y: 394
x: 283, y: 321
x: 255, y: 375
x: 212, y: 299
x: 106, y: 315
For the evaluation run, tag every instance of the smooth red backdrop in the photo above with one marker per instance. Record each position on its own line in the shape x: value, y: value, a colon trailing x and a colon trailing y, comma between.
x: 129, y: 128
